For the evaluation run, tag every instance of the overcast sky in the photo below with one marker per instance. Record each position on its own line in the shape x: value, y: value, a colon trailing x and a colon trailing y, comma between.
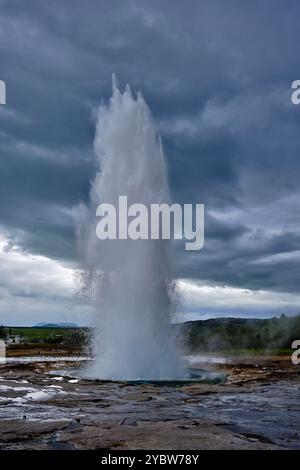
x: 217, y: 76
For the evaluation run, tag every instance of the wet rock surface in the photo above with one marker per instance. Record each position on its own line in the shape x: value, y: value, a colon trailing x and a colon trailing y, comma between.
x: 257, y: 408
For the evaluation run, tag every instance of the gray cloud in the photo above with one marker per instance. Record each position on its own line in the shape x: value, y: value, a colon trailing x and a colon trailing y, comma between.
x: 217, y: 77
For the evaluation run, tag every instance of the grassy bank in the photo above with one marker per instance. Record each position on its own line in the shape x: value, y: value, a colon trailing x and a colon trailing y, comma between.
x: 41, y: 340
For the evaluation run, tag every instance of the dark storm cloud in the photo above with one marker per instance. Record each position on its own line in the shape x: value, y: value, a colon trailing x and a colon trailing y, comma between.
x: 217, y: 78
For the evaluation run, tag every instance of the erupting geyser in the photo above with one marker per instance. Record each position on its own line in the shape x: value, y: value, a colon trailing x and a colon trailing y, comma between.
x: 131, y: 280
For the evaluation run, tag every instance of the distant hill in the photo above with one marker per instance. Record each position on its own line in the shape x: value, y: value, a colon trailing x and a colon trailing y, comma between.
x: 56, y: 325
x: 220, y: 334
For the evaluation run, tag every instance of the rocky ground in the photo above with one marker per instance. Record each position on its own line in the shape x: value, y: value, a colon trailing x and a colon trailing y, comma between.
x: 258, y: 407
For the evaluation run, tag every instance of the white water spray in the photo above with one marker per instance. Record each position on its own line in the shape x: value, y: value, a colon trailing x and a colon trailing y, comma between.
x: 131, y: 280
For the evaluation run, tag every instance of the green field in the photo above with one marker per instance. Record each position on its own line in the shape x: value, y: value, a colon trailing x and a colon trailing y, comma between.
x: 60, y: 337
x: 42, y: 334
x: 228, y: 336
